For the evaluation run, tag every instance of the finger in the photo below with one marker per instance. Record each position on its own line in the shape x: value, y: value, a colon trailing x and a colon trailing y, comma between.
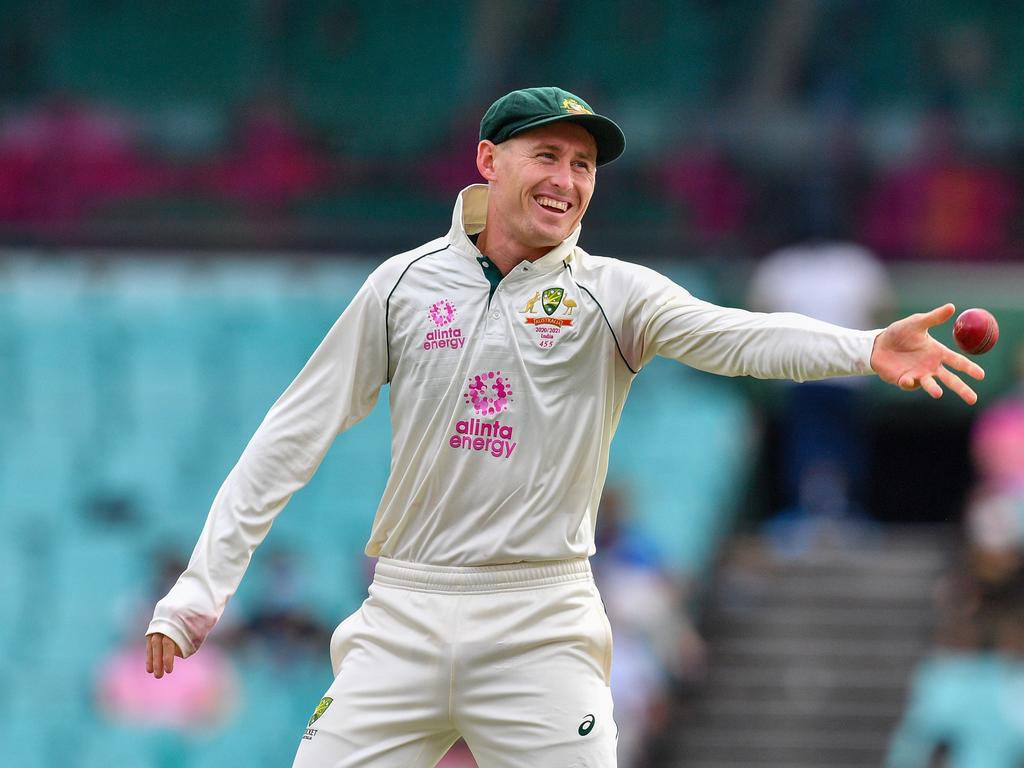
x: 168, y: 649
x: 937, y: 316
x: 954, y: 383
x: 149, y: 654
x: 961, y: 363
x: 907, y: 383
x: 158, y: 657
x: 929, y: 385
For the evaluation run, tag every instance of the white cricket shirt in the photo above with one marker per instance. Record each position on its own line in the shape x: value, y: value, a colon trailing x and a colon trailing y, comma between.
x: 503, y: 405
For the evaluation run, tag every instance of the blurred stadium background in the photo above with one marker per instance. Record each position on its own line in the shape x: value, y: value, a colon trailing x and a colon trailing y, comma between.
x: 190, y: 193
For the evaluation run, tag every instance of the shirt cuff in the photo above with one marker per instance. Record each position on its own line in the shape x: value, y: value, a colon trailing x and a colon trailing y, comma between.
x: 864, y: 359
x: 169, y: 628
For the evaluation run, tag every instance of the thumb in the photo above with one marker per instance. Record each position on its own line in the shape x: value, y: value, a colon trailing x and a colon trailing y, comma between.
x: 937, y: 316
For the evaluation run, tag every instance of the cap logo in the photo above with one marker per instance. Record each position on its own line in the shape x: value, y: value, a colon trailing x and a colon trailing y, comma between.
x: 574, y: 107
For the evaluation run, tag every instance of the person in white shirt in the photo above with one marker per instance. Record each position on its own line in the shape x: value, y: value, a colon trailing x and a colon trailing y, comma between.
x: 509, y: 352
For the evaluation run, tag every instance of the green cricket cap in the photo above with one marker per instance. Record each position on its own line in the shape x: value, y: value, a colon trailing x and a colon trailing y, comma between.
x: 530, y: 108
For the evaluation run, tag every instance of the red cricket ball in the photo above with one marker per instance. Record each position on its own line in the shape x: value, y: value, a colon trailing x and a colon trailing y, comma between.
x: 976, y: 331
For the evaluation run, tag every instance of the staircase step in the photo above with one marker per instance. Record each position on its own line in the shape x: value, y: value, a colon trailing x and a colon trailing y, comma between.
x: 795, y: 723
x: 810, y: 658
x: 783, y: 707
x: 877, y: 560
x: 753, y: 746
x: 806, y: 677
x: 868, y: 590
x: 718, y: 763
x: 837, y: 615
x: 832, y: 631
x: 734, y: 650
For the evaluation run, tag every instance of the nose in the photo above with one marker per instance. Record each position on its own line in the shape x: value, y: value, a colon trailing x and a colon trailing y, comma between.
x: 561, y: 176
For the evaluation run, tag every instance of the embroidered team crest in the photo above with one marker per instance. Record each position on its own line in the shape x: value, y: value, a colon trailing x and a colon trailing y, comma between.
x: 547, y: 328
x: 325, y: 702
x: 552, y: 298
x: 573, y: 106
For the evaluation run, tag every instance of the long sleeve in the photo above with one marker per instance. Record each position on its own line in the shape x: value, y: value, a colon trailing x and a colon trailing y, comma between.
x: 336, y: 388
x: 665, y: 320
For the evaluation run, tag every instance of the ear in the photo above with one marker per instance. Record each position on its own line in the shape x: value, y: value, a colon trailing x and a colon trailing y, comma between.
x: 486, y: 153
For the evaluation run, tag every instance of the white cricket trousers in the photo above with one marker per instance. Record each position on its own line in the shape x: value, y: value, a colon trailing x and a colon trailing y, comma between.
x: 513, y: 658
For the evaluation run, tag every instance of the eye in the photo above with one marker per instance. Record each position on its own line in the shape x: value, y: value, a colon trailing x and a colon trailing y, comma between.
x: 547, y: 155
x: 582, y: 165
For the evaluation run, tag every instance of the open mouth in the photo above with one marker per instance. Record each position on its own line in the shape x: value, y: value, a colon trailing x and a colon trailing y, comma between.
x: 550, y: 204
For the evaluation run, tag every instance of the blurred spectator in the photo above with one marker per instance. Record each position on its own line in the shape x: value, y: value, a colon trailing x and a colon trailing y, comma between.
x: 965, y: 710
x: 64, y: 157
x: 279, y: 623
x: 965, y: 60
x: 510, y: 44
x: 997, y: 445
x: 196, y: 698
x: 990, y: 597
x: 943, y: 204
x: 965, y: 703
x: 711, y: 196
x: 822, y: 446
x: 655, y: 644
x: 787, y: 32
x: 271, y: 161
x: 453, y: 168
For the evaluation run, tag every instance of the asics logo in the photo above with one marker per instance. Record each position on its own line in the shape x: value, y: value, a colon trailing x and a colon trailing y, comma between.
x: 586, y: 726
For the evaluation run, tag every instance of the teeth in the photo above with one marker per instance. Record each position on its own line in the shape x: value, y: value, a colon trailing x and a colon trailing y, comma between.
x: 562, y: 206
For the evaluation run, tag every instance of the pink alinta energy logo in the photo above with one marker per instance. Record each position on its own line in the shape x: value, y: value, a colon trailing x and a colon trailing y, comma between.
x: 489, y: 394
x: 442, y: 314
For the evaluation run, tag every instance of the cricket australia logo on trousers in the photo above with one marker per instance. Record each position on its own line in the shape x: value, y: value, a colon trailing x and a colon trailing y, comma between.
x: 489, y: 394
x: 325, y: 702
x: 558, y: 309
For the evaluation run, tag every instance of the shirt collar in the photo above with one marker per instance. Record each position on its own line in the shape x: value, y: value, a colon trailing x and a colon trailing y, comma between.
x: 470, y: 217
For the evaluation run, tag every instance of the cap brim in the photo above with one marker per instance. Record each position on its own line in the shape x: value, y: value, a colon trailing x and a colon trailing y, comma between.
x: 607, y: 135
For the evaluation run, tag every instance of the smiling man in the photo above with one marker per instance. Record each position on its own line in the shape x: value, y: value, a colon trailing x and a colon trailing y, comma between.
x: 483, y: 620
x: 540, y: 184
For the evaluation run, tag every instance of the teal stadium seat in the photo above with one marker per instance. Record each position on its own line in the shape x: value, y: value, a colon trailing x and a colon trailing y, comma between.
x: 661, y: 54
x: 361, y: 71
x: 45, y: 302
x: 148, y: 55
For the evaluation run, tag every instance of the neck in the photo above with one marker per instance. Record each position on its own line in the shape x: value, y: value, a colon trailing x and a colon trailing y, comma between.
x: 506, y: 253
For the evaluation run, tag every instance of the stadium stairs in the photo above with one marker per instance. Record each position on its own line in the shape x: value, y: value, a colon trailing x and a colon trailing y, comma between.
x: 810, y: 657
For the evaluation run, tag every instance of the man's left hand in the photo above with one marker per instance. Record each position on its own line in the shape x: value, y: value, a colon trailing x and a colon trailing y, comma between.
x: 906, y: 355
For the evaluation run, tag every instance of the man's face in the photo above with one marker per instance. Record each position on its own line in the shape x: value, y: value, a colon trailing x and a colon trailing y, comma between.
x: 541, y: 183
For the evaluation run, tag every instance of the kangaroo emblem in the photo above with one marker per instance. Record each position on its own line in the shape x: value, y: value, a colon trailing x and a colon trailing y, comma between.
x: 531, y: 303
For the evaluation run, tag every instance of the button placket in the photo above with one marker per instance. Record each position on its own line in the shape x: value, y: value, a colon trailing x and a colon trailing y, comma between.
x: 495, y: 323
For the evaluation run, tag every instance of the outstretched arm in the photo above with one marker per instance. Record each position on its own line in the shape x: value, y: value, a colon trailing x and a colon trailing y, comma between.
x: 335, y: 389
x: 662, y: 318
x: 906, y: 355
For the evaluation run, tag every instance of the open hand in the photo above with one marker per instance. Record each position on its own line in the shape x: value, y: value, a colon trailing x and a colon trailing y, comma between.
x: 906, y: 355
